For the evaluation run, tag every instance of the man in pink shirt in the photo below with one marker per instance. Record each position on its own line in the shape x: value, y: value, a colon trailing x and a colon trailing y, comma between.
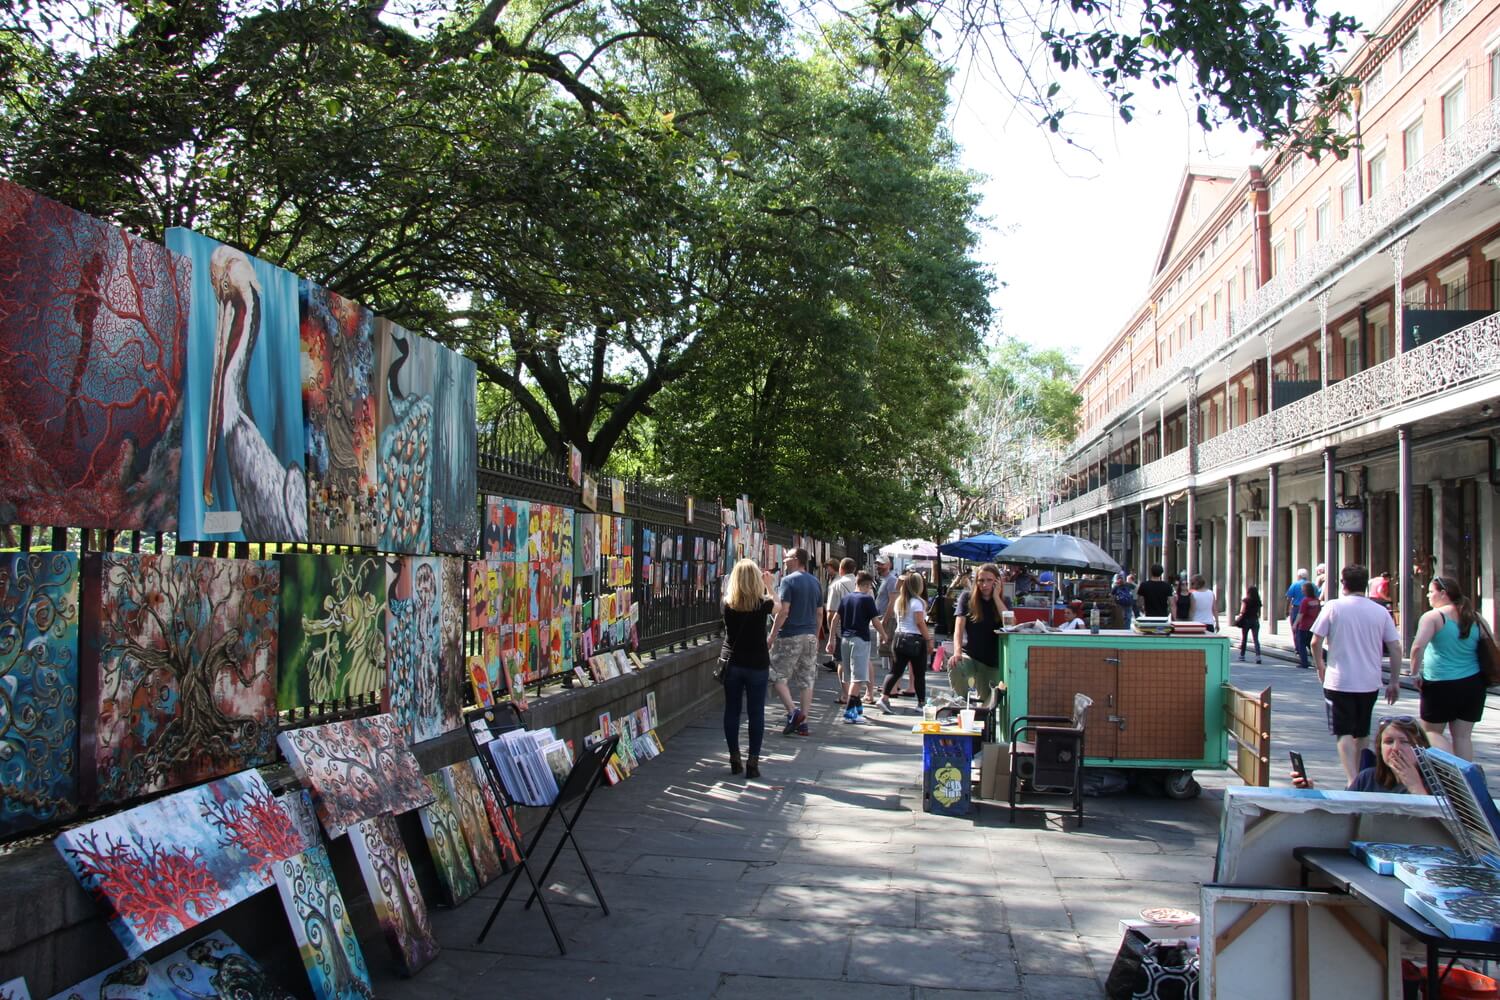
x: 1358, y: 630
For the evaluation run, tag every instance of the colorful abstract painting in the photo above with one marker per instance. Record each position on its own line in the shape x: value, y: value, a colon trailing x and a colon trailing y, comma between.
x: 186, y: 671
x: 502, y: 818
x: 455, y: 454
x: 393, y: 889
x: 468, y: 801
x: 355, y: 769
x: 445, y: 838
x: 93, y: 327
x: 414, y: 643
x: 491, y: 542
x: 332, y: 629
x: 38, y: 688
x: 214, y: 968
x: 14, y: 989
x: 315, y: 908
x: 338, y: 411
x: 451, y: 680
x: 172, y: 863
x: 242, y: 433
x: 403, y: 416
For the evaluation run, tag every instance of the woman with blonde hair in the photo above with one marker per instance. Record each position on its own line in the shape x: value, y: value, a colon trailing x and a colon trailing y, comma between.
x: 746, y: 658
x: 913, y: 643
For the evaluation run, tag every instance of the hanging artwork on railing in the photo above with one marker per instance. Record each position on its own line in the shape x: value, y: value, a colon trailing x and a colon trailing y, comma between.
x: 39, y: 677
x: 404, y: 417
x: 332, y: 629
x: 93, y: 327
x: 455, y: 450
x: 185, y: 687
x: 242, y: 450
x: 338, y: 403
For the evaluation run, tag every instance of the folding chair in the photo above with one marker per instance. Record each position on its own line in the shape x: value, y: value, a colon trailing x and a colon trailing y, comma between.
x: 585, y: 776
x: 1052, y: 759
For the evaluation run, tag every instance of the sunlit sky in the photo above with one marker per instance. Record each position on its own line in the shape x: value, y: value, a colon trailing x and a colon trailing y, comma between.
x: 1073, y: 229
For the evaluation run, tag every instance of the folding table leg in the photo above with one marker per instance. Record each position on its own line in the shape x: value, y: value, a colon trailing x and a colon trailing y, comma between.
x: 589, y: 872
x: 524, y: 866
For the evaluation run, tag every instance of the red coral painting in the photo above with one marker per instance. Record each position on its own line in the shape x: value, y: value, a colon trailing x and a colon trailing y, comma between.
x: 172, y: 863
x: 93, y: 326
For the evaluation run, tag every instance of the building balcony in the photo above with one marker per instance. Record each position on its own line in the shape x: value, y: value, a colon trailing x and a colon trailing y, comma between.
x: 1462, y: 160
x: 1452, y: 371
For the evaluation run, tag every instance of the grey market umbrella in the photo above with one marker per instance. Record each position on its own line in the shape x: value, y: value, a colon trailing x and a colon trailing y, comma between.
x: 1059, y: 551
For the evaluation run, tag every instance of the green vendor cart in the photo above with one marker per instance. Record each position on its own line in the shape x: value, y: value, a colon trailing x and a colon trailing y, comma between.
x: 1159, y: 701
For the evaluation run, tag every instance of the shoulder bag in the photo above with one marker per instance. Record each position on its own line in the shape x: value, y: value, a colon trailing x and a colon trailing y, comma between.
x: 1489, y: 653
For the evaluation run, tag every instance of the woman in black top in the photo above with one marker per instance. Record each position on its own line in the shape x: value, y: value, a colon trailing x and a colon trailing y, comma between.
x: 1249, y: 621
x: 747, y: 660
x: 976, y: 617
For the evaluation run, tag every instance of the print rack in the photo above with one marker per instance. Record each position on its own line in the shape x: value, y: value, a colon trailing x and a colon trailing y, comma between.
x: 1463, y: 900
x: 567, y: 807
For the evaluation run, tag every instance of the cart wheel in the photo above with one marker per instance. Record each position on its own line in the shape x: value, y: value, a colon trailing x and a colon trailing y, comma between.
x: 1180, y: 785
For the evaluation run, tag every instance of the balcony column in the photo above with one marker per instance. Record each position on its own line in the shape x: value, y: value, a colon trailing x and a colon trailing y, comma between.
x: 1273, y: 505
x: 1161, y: 427
x: 1193, y: 431
x: 1403, y: 534
x: 1295, y: 510
x: 1398, y: 307
x: 1140, y: 438
x: 1330, y: 539
x: 1143, y: 560
x: 1166, y: 535
x: 1231, y: 541
x: 1323, y: 342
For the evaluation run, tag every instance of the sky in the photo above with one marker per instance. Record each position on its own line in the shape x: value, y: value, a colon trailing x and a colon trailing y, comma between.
x: 1073, y: 229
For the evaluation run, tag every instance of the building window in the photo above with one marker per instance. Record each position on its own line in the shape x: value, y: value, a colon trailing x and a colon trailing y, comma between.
x: 1278, y: 187
x: 1321, y: 221
x: 1348, y: 199
x: 1453, y: 110
x: 1299, y: 241
x: 1495, y: 74
x: 1218, y: 304
x: 1380, y: 334
x: 1411, y: 144
x: 1454, y: 281
x: 1247, y: 281
x: 1375, y: 84
x: 1252, y: 403
x: 1278, y: 257
x: 1350, y: 339
x: 1415, y: 295
x: 1410, y: 51
x: 1376, y: 166
x: 1449, y: 11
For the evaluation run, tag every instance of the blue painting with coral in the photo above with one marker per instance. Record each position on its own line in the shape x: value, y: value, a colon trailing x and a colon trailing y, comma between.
x: 38, y: 689
x: 242, y: 435
x: 170, y: 864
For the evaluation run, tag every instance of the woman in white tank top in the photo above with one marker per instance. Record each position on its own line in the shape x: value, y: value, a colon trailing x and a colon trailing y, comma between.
x: 1205, y: 605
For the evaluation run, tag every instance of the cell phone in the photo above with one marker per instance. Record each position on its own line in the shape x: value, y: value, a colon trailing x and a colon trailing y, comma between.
x: 1297, y: 766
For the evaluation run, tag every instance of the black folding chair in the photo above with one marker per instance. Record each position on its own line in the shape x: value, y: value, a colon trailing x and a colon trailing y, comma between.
x: 585, y: 776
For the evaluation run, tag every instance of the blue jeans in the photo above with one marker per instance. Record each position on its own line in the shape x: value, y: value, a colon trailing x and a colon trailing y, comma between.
x: 1302, y: 637
x: 745, y: 684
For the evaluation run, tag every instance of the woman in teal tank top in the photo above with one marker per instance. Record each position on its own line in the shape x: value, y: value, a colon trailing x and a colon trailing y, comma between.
x: 1445, y: 667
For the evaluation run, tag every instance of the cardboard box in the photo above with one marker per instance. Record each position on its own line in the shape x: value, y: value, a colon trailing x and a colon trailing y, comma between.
x: 994, y: 771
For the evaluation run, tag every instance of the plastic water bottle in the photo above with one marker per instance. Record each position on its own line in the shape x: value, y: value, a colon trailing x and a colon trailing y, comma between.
x: 1094, y: 620
x: 929, y: 710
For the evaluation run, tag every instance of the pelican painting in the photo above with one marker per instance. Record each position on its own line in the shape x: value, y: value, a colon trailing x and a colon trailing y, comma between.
x: 242, y: 471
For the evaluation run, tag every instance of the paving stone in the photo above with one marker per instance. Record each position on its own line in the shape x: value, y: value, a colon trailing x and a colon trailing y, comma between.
x: 1164, y: 867
x: 793, y: 948
x: 847, y: 904
x: 955, y: 959
x: 1051, y: 953
x: 1061, y: 988
x: 781, y: 987
x: 954, y: 911
x: 710, y: 869
x: 831, y: 874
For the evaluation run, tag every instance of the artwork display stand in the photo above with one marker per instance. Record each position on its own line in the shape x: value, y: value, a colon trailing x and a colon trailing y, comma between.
x: 587, y: 773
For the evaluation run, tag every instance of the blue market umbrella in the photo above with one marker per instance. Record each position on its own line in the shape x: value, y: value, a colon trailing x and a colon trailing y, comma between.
x: 982, y: 547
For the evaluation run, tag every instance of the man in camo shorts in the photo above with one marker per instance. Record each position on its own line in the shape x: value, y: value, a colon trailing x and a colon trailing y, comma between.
x: 794, y: 640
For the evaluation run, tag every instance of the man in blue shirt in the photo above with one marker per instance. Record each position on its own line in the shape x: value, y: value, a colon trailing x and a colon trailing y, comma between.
x: 794, y: 639
x: 1294, y: 595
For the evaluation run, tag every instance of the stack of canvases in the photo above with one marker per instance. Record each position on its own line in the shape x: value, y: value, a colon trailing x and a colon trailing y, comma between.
x: 165, y: 867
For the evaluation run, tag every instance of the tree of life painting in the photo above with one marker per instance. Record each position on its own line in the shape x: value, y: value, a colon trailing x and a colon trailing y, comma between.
x: 338, y: 404
x: 332, y: 628
x: 186, y: 672
x: 38, y: 688
x: 404, y: 416
x: 355, y: 769
x: 393, y: 889
x: 325, y: 938
x: 93, y: 324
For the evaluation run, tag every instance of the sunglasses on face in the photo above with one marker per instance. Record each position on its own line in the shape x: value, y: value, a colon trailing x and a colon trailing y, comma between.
x: 1398, y: 720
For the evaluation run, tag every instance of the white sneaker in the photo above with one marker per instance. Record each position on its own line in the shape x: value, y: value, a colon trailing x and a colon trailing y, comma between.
x: 885, y: 704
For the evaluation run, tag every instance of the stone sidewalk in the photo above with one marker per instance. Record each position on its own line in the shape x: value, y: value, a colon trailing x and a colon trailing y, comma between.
x: 825, y: 878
